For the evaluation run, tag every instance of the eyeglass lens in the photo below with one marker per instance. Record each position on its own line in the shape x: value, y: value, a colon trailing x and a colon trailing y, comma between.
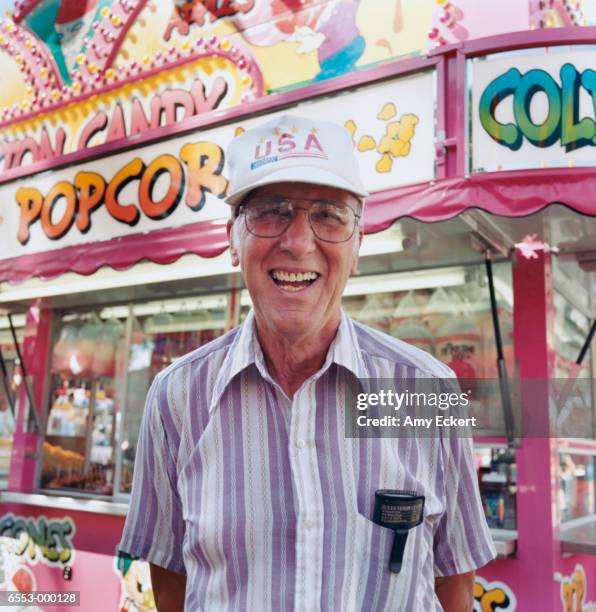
x: 270, y: 217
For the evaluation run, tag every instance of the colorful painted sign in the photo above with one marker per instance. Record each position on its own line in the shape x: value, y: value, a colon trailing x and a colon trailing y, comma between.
x: 168, y: 97
x: 135, y: 583
x: 183, y: 180
x: 534, y: 110
x: 573, y: 591
x: 39, y: 539
x: 493, y: 596
x: 15, y: 573
x: 58, y: 53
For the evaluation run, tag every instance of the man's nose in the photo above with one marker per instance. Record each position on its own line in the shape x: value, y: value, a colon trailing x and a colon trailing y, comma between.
x: 299, y: 238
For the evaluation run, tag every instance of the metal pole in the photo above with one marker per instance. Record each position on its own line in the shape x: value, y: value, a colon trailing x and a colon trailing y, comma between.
x: 586, y: 345
x: 6, y: 385
x: 501, y: 366
x: 33, y: 419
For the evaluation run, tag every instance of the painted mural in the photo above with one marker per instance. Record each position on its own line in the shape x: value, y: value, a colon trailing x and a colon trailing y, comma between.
x: 39, y: 539
x: 493, y: 596
x: 182, y: 180
x: 539, y: 106
x: 573, y: 591
x: 80, y: 73
x: 26, y: 543
x: 136, y: 593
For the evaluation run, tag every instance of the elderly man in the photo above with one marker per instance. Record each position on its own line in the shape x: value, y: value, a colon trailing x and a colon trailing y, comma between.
x: 247, y: 494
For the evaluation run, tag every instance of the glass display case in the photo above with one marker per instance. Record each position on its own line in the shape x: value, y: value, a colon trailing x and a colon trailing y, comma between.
x: 102, y: 365
x: 572, y: 323
x: 576, y: 486
x: 497, y: 480
x: 86, y: 373
x: 573, y: 318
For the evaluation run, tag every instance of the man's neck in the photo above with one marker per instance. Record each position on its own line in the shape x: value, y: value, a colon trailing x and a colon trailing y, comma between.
x: 291, y: 361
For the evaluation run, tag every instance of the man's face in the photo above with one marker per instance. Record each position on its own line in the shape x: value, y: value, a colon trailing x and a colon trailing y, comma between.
x: 303, y: 307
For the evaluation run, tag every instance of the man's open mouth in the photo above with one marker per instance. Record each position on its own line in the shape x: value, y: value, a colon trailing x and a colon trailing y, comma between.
x: 293, y: 281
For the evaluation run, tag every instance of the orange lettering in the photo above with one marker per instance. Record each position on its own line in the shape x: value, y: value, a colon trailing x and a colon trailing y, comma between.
x: 62, y: 189
x: 493, y: 600
x: 205, y: 162
x: 91, y: 187
x: 127, y: 213
x: 167, y: 205
x: 30, y: 201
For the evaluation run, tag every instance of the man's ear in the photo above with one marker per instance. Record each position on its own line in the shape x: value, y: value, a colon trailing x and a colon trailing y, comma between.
x: 233, y: 249
x: 357, y: 245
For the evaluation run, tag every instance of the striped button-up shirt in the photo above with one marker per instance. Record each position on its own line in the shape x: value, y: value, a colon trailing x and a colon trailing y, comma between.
x: 263, y: 502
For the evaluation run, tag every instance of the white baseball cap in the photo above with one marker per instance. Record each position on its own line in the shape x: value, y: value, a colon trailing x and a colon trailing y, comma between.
x: 296, y: 150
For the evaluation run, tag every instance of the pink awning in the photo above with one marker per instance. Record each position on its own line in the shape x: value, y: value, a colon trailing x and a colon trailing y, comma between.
x: 508, y: 194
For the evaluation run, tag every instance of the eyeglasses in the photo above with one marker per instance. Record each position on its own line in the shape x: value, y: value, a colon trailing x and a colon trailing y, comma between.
x: 269, y: 217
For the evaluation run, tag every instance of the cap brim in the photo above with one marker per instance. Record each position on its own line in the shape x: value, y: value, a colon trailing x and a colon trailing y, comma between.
x: 312, y: 176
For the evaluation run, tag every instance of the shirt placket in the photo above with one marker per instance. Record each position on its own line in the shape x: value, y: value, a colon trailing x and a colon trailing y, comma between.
x: 309, y: 528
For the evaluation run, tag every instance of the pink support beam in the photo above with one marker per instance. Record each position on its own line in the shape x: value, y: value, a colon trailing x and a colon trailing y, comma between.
x: 537, y: 459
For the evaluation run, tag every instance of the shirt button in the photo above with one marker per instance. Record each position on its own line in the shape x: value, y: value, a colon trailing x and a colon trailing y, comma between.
x: 301, y: 444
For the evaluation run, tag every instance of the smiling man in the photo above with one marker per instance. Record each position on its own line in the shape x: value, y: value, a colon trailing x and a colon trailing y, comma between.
x: 247, y: 495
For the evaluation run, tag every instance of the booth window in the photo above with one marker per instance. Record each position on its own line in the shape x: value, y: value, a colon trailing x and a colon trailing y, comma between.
x: 446, y: 312
x: 576, y: 486
x: 572, y: 322
x: 571, y: 326
x: 102, y: 365
x: 9, y: 388
x: 87, y: 368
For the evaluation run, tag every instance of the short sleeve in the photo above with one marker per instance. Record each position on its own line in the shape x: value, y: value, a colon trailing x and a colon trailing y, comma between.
x: 154, y: 528
x: 462, y: 539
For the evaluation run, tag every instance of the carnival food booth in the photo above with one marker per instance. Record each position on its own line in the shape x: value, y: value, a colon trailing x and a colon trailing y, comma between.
x: 479, y: 154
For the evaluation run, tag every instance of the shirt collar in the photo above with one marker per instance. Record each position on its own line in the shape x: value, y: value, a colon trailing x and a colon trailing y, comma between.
x: 345, y: 348
x: 240, y: 355
x: 245, y: 350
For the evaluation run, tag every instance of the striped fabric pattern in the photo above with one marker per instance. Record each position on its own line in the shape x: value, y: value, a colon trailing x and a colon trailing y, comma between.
x: 266, y: 505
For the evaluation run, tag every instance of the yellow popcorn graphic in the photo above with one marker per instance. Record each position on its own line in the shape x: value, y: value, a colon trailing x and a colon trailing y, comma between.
x: 366, y: 143
x: 350, y: 126
x: 384, y: 164
x: 395, y: 142
x: 387, y: 112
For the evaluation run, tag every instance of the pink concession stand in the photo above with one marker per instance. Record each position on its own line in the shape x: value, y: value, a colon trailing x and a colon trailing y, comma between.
x: 475, y: 129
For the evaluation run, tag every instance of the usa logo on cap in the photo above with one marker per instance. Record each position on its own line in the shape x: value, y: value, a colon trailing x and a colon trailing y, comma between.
x: 293, y: 149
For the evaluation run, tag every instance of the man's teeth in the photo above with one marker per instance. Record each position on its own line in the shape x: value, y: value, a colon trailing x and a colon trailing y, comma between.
x: 294, y: 277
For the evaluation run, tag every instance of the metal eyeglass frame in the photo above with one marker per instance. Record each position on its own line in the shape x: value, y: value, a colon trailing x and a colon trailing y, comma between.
x: 244, y: 206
